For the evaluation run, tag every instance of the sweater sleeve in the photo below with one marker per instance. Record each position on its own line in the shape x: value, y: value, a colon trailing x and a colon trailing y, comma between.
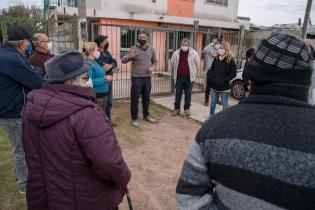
x: 154, y: 59
x: 125, y: 58
x: 101, y: 148
x: 232, y: 71
x: 193, y: 191
x: 26, y: 75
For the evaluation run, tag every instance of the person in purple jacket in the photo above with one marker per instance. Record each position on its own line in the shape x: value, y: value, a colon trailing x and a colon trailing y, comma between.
x: 73, y: 158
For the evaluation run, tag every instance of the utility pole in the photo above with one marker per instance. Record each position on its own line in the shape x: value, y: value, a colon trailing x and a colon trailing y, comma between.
x: 83, y: 35
x: 306, y: 18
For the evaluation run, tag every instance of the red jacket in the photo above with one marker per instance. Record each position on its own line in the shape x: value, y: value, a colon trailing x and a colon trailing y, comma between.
x: 73, y: 159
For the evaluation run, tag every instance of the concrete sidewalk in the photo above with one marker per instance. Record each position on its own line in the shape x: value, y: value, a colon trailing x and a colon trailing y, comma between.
x: 199, y: 111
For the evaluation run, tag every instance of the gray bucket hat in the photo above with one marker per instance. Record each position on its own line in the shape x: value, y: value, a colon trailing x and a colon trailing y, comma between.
x: 65, y: 66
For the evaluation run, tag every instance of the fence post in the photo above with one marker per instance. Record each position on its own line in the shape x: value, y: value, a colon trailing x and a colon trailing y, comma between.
x: 196, y: 28
x: 167, y: 43
x: 240, y: 46
x: 75, y: 32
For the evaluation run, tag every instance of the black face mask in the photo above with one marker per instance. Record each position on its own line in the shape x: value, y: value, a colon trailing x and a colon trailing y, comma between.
x: 106, y: 46
x: 142, y: 42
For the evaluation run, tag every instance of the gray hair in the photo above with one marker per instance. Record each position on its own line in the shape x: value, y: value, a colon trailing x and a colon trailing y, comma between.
x: 185, y: 40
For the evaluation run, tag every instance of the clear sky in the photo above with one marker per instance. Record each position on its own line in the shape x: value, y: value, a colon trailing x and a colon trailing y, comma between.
x: 261, y: 12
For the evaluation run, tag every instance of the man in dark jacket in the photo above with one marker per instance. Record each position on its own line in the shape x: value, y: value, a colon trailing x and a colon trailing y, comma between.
x: 17, y: 78
x: 42, y: 51
x: 267, y: 159
x: 73, y: 158
x: 107, y: 61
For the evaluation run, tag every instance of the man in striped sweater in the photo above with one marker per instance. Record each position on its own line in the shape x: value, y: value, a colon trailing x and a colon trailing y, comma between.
x: 260, y: 154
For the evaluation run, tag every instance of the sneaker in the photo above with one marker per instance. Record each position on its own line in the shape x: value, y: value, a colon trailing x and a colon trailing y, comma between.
x: 135, y: 123
x: 206, y: 103
x: 187, y: 113
x: 175, y: 112
x: 150, y: 119
x: 22, y: 191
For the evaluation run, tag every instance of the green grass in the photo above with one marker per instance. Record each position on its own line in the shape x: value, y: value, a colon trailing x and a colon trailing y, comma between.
x: 10, y: 198
x: 128, y: 137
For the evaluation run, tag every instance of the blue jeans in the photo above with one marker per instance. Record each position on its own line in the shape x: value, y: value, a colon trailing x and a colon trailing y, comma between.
x: 108, y: 110
x: 183, y: 84
x: 215, y: 97
x: 13, y: 128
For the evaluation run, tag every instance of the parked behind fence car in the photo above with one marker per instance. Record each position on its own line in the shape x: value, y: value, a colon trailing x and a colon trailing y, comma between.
x: 43, y: 46
x: 73, y: 158
x: 143, y: 64
x: 185, y: 62
x: 17, y: 78
x: 109, y: 64
x: 267, y: 159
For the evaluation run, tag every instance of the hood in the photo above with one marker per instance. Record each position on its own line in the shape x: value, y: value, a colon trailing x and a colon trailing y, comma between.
x: 55, y: 102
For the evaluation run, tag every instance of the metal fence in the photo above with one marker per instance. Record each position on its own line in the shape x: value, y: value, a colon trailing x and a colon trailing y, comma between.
x: 165, y: 41
x: 62, y: 33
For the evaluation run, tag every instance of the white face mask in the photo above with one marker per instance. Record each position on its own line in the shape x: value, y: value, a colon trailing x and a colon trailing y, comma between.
x: 78, y: 81
x: 49, y: 46
x: 184, y: 48
x: 97, y: 54
x: 221, y: 52
x: 216, y: 47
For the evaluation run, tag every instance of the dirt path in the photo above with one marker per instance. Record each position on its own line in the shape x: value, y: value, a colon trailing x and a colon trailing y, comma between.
x: 156, y: 162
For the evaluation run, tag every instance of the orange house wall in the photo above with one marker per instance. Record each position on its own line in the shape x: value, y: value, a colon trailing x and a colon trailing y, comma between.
x: 182, y: 8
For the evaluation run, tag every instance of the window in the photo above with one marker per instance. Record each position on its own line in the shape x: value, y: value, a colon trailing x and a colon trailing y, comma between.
x: 218, y: 2
x: 127, y: 38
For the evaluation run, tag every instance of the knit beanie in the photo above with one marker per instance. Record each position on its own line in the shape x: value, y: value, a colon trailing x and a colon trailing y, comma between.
x: 281, y: 58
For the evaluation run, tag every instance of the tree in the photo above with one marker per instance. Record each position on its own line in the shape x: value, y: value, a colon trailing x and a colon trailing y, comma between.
x: 22, y: 11
x: 28, y: 17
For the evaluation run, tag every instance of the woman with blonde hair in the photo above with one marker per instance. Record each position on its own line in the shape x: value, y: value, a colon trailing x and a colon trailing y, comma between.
x: 97, y: 74
x: 222, y: 71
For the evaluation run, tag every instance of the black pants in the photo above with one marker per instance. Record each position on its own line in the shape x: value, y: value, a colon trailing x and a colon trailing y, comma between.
x: 140, y: 86
x: 183, y: 84
x: 207, y: 92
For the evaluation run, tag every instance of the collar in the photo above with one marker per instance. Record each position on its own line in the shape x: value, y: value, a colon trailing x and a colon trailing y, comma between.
x: 289, y: 92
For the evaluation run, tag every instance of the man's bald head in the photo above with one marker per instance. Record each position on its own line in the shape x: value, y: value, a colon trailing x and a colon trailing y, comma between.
x: 41, y: 42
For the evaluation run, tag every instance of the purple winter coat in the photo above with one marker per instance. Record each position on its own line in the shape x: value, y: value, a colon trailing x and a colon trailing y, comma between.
x: 73, y: 159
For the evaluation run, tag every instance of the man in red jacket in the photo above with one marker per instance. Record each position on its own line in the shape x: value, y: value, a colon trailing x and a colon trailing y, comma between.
x: 71, y: 151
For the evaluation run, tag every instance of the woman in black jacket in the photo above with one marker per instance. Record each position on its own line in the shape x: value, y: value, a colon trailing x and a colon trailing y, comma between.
x: 222, y: 71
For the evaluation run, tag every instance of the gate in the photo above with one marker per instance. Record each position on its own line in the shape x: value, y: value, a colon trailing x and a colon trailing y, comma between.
x: 62, y: 33
x: 164, y: 40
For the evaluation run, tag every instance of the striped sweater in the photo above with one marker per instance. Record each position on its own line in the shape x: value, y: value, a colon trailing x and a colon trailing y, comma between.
x: 259, y: 155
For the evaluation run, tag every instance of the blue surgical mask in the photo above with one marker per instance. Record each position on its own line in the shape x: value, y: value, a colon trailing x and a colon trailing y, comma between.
x: 29, y: 50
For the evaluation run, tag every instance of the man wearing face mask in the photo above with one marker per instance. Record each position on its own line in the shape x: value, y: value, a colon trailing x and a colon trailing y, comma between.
x: 211, y: 51
x: 144, y: 62
x: 108, y: 63
x: 17, y: 79
x: 185, y: 62
x: 42, y: 51
x: 71, y: 149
